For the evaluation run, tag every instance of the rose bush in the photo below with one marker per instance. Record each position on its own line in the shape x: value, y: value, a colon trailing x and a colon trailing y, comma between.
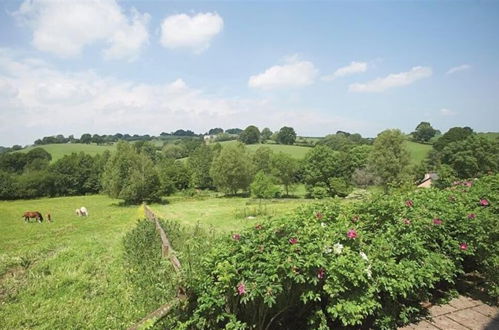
x: 347, y: 264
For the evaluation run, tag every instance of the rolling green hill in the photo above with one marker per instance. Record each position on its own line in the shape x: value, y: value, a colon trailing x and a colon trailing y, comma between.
x: 297, y: 152
x: 417, y: 151
x: 59, y: 150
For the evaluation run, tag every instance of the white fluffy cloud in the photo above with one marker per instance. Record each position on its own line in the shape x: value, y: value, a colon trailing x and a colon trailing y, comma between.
x: 295, y: 73
x: 392, y: 80
x: 38, y: 100
x: 447, y: 112
x: 455, y: 69
x: 64, y: 28
x: 352, y: 68
x: 191, y: 32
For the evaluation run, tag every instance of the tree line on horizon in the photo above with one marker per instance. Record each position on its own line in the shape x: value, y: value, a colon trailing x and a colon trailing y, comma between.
x: 141, y: 171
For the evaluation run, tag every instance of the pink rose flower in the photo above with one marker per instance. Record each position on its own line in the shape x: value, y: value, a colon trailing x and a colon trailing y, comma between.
x: 236, y: 237
x: 320, y: 273
x: 352, y: 234
x: 241, y: 289
x: 409, y: 203
x: 484, y: 202
x: 463, y: 246
x: 437, y: 221
x: 293, y: 240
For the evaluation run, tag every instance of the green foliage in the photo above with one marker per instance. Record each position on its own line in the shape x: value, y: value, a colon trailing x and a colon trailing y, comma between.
x: 266, y: 134
x: 285, y: 169
x: 232, y: 169
x: 263, y: 186
x: 199, y: 164
x: 262, y: 159
x: 286, y: 135
x: 340, y: 187
x: 320, y: 166
x: 76, y: 174
x: 424, y: 132
x: 250, y: 135
x: 130, y: 176
x: 472, y: 157
x: 356, y: 265
x: 452, y: 135
x: 174, y: 175
x: 151, y: 276
x: 389, y: 158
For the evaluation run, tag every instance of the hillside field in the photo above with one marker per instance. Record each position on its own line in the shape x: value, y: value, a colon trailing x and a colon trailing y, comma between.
x: 59, y: 150
x: 417, y: 151
x: 297, y: 152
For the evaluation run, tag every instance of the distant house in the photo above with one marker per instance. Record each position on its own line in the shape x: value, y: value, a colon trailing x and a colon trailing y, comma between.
x: 428, y: 180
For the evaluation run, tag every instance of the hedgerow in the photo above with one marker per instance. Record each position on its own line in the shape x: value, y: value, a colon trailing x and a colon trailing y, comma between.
x: 357, y: 264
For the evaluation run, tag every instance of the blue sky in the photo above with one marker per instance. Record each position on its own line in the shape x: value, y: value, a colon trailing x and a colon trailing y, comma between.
x: 72, y: 67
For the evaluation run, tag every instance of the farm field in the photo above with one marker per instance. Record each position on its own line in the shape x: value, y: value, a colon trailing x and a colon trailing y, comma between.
x: 67, y: 274
x: 70, y: 273
x: 417, y: 151
x: 59, y: 150
x: 224, y: 213
x: 297, y: 152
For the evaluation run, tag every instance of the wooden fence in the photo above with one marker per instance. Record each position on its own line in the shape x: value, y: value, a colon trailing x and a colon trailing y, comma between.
x: 168, y: 253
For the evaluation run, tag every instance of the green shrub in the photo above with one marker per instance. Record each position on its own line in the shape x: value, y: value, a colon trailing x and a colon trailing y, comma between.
x: 365, y: 264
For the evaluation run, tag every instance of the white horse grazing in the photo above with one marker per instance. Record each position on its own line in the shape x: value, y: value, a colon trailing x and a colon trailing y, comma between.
x: 82, y: 211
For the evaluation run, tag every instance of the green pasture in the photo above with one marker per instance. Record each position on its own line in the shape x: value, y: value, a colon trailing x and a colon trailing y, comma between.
x: 490, y: 135
x: 297, y: 152
x: 67, y: 274
x: 224, y: 213
x: 417, y: 151
x: 70, y: 273
x: 59, y: 150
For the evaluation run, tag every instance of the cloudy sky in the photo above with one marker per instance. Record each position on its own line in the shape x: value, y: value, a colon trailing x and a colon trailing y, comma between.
x: 144, y: 67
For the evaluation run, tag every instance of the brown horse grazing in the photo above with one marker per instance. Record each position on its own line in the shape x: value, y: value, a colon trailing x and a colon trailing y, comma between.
x: 33, y: 214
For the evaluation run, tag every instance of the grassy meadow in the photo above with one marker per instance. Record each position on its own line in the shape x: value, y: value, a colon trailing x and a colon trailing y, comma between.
x: 59, y: 150
x: 66, y: 274
x: 70, y: 273
x: 297, y: 152
x: 417, y: 151
x: 223, y: 213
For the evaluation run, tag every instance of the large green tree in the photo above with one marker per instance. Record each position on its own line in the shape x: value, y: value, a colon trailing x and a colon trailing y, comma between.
x: 322, y: 164
x: 286, y: 135
x: 285, y: 169
x: 232, y: 169
x: 424, y: 132
x: 250, y: 135
x: 263, y: 186
x: 262, y: 160
x: 389, y: 159
x: 475, y: 156
x: 131, y: 176
x: 452, y: 135
x: 200, y: 163
x: 266, y: 134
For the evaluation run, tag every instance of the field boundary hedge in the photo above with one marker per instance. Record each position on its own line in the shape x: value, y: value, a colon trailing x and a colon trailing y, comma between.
x: 167, y: 253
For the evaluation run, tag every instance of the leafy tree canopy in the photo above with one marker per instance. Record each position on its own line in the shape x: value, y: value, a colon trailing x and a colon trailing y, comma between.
x: 286, y: 135
x: 452, y: 135
x: 250, y: 135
